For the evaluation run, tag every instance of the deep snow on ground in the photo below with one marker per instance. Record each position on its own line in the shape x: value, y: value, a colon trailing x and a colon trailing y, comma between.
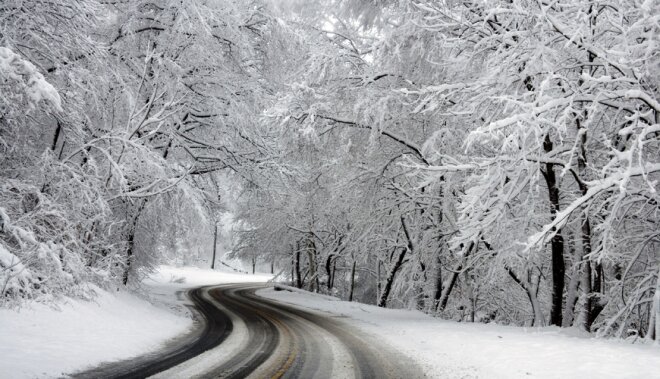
x: 447, y: 349
x: 38, y: 341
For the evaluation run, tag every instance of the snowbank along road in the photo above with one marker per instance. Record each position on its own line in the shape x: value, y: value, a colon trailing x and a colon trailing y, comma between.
x: 242, y: 335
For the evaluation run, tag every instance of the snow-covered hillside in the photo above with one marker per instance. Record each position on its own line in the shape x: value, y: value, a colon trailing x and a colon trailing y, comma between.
x: 71, y: 335
x: 42, y: 341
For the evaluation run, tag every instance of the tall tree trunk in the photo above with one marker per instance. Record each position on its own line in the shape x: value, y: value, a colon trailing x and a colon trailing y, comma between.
x: 129, y: 258
x: 389, y: 280
x: 587, y: 310
x: 444, y: 299
x: 299, y: 282
x: 56, y: 136
x: 313, y: 274
x: 599, y: 279
x: 437, y: 293
x: 421, y: 285
x: 293, y: 270
x: 470, y: 294
x: 328, y: 270
x: 334, y: 272
x: 447, y: 289
x: 350, y: 294
x: 592, y: 304
x: 331, y: 262
x: 557, y: 243
x: 91, y: 258
x: 592, y: 283
x: 378, y: 283
x: 59, y: 156
x: 131, y: 241
x: 215, y: 244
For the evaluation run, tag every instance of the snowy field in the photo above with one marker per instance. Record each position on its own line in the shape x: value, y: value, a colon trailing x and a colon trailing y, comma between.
x: 448, y: 349
x: 41, y: 342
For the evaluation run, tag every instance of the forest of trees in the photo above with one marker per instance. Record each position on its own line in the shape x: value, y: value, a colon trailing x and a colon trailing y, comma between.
x: 480, y: 161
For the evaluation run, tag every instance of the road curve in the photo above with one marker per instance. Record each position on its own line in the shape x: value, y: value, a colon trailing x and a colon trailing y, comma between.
x: 241, y: 335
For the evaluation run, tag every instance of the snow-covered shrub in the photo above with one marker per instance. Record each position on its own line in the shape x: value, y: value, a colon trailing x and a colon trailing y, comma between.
x: 20, y: 80
x: 13, y: 277
x: 47, y: 247
x: 55, y: 225
x: 32, y: 266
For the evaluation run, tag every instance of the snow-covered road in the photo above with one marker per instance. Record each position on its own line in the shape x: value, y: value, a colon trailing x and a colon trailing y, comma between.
x: 247, y: 336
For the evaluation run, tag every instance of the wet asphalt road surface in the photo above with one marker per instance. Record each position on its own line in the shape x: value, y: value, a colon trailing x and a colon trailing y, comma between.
x: 241, y: 335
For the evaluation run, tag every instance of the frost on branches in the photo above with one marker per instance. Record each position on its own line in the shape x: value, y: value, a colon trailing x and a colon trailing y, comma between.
x: 483, y: 161
x: 118, y: 124
x: 24, y: 84
x: 39, y: 251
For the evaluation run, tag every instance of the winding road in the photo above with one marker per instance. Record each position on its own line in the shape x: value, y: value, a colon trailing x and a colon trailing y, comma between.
x: 241, y: 335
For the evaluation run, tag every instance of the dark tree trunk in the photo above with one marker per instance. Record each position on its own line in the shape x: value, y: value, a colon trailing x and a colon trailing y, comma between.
x: 586, y: 273
x: 59, y: 156
x: 334, y: 272
x: 299, y: 282
x: 591, y: 283
x: 350, y: 294
x: 328, y: 270
x: 215, y: 243
x: 444, y: 298
x: 572, y: 288
x: 88, y: 238
x: 389, y: 281
x: 557, y: 243
x: 131, y: 241
x: 421, y: 285
x: 599, y: 280
x: 438, y: 284
x: 313, y: 272
x: 129, y: 258
x: 382, y: 302
x: 56, y: 136
x: 331, y: 262
x: 378, y: 283
x: 293, y: 271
